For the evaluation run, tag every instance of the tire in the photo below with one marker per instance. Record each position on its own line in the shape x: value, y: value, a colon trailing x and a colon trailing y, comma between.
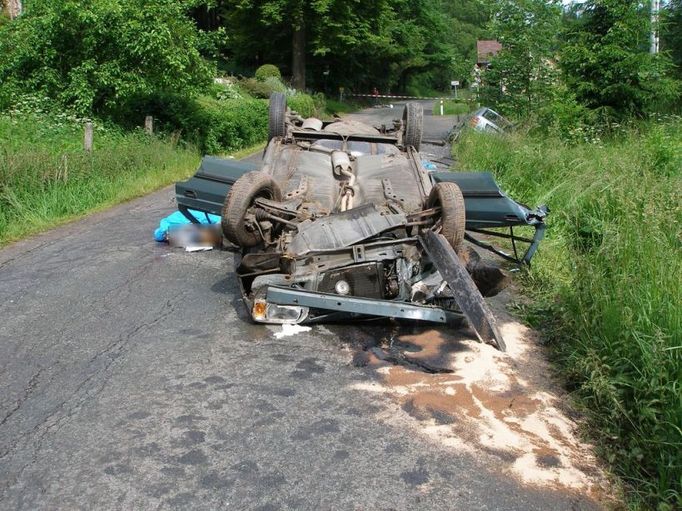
x: 277, y: 115
x: 451, y: 201
x: 240, y: 198
x: 413, y: 123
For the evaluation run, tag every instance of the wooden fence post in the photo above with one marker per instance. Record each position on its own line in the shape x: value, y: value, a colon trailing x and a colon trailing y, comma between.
x: 149, y: 125
x: 87, y: 138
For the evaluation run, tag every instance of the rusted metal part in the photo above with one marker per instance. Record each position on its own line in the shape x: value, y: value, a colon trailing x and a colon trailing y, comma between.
x: 466, y: 294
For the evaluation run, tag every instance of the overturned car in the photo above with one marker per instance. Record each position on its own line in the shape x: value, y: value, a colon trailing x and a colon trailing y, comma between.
x: 342, y: 220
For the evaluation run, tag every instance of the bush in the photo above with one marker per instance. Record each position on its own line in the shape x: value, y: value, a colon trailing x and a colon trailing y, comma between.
x: 610, y: 270
x: 231, y: 124
x: 268, y: 71
x: 262, y: 89
x: 213, y: 125
x: 303, y: 104
x: 96, y: 56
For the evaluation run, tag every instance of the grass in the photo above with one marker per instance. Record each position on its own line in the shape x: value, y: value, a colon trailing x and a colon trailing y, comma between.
x: 607, y: 285
x: 333, y: 106
x: 451, y: 107
x: 46, y: 178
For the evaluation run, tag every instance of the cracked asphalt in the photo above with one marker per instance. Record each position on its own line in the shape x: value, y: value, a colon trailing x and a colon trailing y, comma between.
x: 130, y: 378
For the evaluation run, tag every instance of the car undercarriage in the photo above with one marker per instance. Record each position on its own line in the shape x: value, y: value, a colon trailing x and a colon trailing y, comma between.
x: 342, y: 220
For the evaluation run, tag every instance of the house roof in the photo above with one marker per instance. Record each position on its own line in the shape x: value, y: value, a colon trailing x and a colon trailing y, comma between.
x: 486, y: 49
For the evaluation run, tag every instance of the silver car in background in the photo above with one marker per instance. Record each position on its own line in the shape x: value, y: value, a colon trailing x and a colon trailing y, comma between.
x: 488, y: 120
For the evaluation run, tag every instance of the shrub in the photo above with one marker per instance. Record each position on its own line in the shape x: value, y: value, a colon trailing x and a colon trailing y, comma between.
x: 262, y: 89
x: 213, y: 125
x: 267, y: 71
x: 303, y: 104
x: 96, y: 56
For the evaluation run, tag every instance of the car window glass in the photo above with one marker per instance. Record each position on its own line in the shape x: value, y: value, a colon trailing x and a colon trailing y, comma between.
x: 491, y: 116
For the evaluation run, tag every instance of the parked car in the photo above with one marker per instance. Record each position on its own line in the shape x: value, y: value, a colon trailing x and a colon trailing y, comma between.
x: 341, y: 220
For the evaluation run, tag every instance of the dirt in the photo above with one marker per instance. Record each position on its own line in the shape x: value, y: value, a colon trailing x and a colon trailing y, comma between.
x: 504, y: 405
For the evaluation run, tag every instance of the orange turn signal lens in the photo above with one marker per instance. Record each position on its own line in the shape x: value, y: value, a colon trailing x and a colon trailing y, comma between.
x: 259, y: 308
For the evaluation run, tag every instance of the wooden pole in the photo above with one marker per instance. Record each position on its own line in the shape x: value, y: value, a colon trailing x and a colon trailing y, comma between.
x: 149, y: 125
x: 87, y: 138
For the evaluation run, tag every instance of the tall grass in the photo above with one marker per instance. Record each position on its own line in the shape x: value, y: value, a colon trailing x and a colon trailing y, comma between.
x: 46, y: 177
x: 608, y: 286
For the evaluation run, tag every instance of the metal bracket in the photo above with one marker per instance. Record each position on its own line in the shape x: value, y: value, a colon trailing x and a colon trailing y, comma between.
x: 356, y: 305
x: 358, y: 253
x: 388, y: 189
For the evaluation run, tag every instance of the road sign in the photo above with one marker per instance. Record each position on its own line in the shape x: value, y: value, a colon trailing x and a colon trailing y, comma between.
x: 454, y: 83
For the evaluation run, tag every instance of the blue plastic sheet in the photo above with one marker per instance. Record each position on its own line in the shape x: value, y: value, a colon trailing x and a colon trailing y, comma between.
x: 177, y: 218
x: 429, y: 165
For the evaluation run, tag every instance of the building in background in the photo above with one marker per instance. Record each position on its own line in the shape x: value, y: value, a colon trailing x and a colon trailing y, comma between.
x: 485, y: 51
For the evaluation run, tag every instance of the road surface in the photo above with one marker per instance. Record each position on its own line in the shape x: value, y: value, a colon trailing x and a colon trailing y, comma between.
x: 131, y: 379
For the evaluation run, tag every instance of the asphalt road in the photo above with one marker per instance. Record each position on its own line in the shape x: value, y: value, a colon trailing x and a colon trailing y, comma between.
x: 131, y: 379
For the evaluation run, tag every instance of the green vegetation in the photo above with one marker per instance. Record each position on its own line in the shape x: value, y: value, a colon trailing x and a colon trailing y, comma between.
x: 333, y: 107
x: 267, y: 71
x: 608, y: 285
x: 522, y: 75
x: 451, y: 107
x: 98, y: 56
x: 46, y: 177
x: 406, y: 45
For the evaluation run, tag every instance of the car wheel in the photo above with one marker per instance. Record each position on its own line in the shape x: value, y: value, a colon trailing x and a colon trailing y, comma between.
x: 277, y: 115
x: 240, y: 198
x: 449, y: 198
x: 413, y: 123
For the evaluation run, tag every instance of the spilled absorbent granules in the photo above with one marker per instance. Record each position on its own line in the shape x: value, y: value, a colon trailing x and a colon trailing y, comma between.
x: 502, y: 405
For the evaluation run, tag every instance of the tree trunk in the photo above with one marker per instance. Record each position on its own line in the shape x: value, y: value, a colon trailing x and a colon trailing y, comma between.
x: 13, y: 8
x: 298, y: 57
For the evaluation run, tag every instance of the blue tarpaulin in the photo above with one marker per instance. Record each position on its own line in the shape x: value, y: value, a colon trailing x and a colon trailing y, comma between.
x: 177, y: 218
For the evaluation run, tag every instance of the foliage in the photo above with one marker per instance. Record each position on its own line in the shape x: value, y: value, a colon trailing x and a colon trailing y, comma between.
x: 334, y: 107
x: 522, y: 76
x: 362, y: 44
x: 95, y: 56
x: 606, y: 62
x: 268, y: 71
x: 607, y: 283
x: 671, y: 32
x: 222, y: 126
x: 262, y: 89
x: 47, y: 178
x: 303, y: 104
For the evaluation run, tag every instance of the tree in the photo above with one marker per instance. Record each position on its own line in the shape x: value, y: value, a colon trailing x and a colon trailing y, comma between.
x: 522, y: 75
x: 671, y: 32
x: 360, y: 44
x: 95, y: 56
x: 606, y: 59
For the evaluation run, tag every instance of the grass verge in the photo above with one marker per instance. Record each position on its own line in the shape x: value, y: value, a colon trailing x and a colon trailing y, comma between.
x: 451, y: 107
x: 607, y: 285
x: 46, y: 178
